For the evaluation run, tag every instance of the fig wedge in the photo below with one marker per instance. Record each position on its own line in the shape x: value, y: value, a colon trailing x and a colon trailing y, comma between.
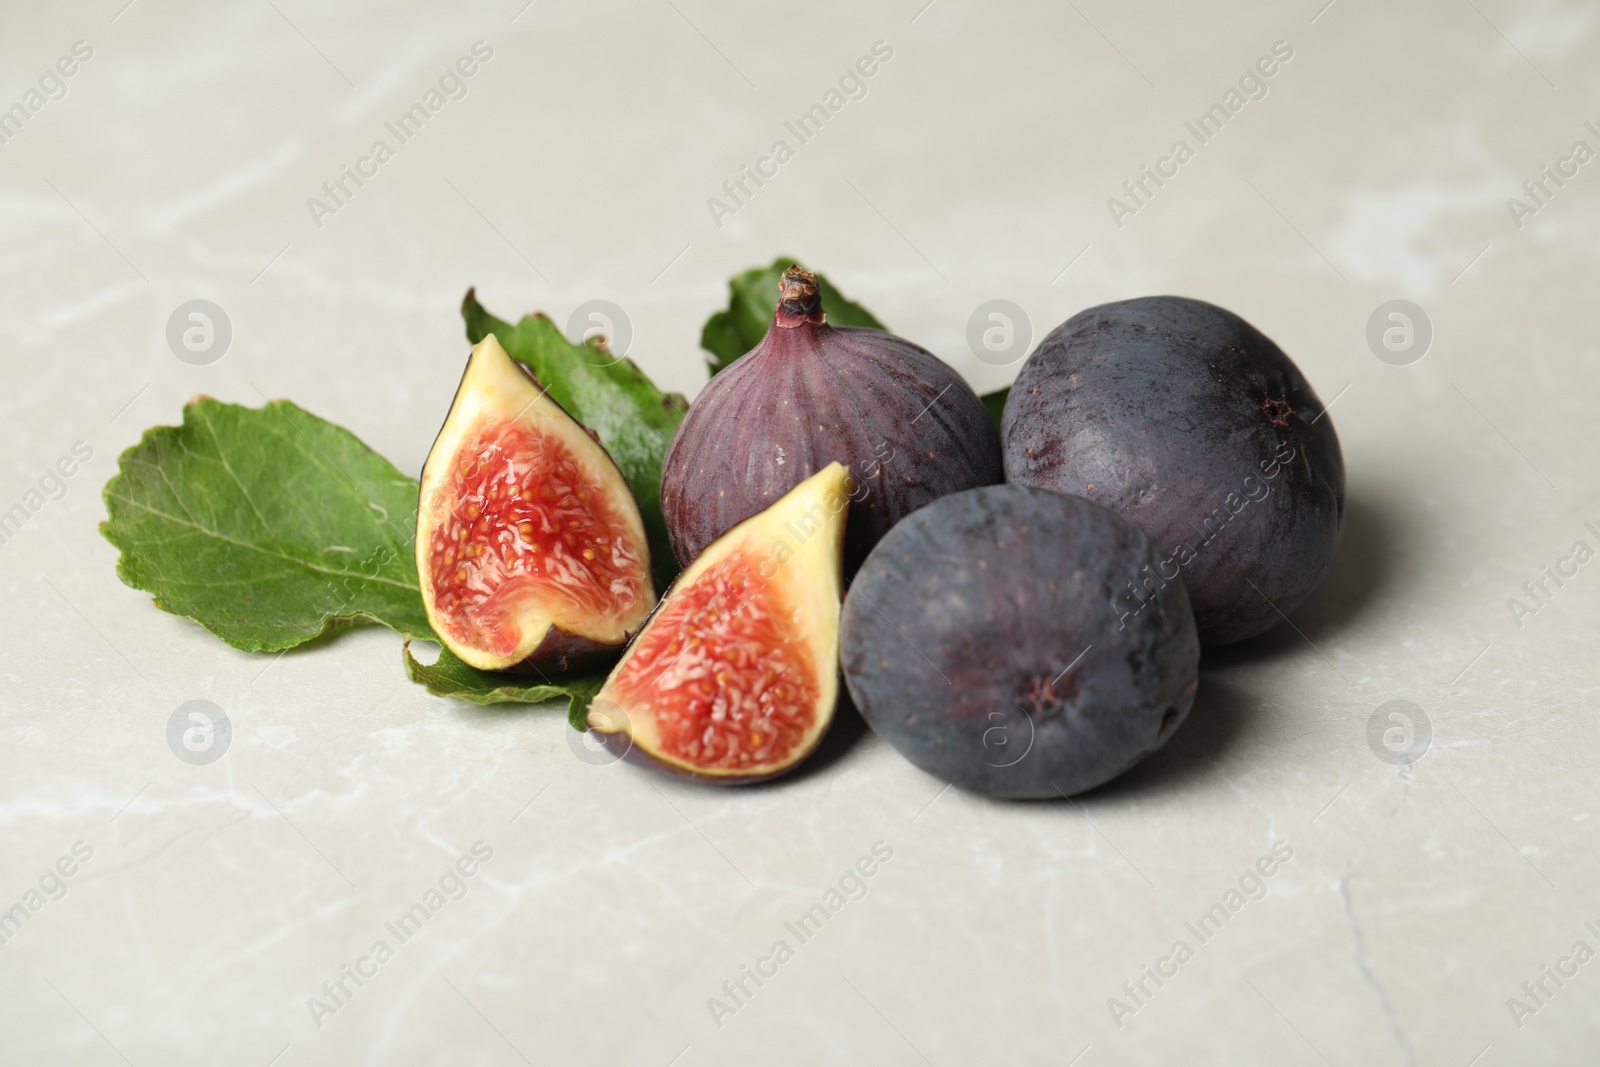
x: 530, y: 548
x: 735, y: 677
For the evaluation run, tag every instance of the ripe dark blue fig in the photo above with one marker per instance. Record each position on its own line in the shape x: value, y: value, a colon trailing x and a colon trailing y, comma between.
x: 989, y: 639
x: 905, y: 425
x: 1191, y: 423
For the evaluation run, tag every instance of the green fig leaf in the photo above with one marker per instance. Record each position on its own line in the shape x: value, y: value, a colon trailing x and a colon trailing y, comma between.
x: 610, y: 396
x: 268, y: 526
x: 995, y: 404
x: 752, y: 296
x: 450, y: 677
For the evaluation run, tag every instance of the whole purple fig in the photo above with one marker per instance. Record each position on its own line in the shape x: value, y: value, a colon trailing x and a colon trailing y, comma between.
x: 1191, y: 423
x: 907, y: 427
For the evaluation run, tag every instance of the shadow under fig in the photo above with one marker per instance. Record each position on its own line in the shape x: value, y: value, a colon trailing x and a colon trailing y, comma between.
x: 1365, y: 568
x: 1222, y: 718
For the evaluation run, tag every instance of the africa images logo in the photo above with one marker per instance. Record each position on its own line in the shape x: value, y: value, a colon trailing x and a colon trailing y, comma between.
x: 1252, y: 490
x: 451, y: 886
x: 452, y: 85
x: 1252, y: 85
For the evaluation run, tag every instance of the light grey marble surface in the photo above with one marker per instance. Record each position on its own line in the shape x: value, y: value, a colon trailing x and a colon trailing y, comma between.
x: 978, y: 165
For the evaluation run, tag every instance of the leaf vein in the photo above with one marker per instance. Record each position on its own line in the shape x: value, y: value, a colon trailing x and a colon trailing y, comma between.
x: 220, y: 536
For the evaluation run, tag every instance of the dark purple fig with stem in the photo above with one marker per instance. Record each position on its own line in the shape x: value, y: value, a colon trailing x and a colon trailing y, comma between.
x: 907, y: 427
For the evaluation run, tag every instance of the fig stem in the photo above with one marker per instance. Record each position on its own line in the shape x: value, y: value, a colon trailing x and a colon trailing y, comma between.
x: 799, y: 299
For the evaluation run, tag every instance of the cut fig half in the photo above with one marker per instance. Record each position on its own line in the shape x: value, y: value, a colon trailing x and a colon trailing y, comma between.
x: 530, y: 548
x: 735, y: 677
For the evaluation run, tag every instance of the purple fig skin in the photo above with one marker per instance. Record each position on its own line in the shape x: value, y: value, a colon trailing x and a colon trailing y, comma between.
x: 907, y: 426
x: 1185, y: 419
x: 561, y: 651
x: 1036, y: 673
